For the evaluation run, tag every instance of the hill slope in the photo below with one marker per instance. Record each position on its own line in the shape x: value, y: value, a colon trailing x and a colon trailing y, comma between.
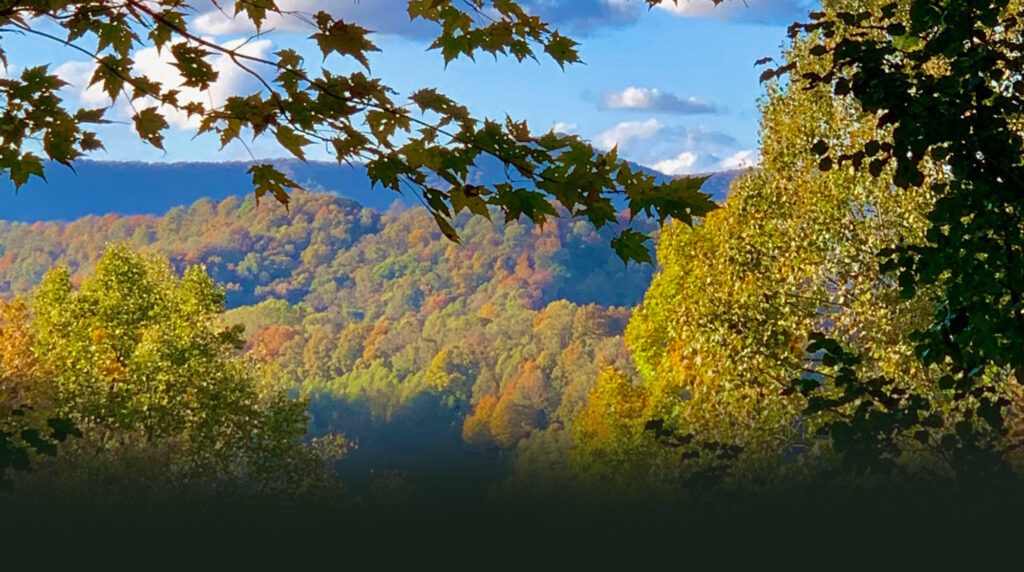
x: 406, y: 341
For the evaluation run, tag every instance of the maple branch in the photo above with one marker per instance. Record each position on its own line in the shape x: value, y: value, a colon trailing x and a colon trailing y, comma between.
x: 236, y: 56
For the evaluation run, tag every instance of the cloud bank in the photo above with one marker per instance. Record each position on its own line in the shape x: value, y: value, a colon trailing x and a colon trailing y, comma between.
x: 676, y: 150
x: 627, y: 132
x: 232, y: 80
x: 648, y: 99
x: 575, y: 16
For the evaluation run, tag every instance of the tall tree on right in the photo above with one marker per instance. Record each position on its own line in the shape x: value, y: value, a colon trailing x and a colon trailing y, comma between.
x: 851, y: 307
x: 945, y: 79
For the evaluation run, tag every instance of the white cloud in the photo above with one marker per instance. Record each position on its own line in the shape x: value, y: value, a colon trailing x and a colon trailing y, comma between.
x: 679, y: 165
x: 157, y: 67
x: 564, y: 127
x: 649, y: 99
x: 677, y: 149
x: 78, y: 75
x: 383, y: 16
x: 627, y: 132
x: 741, y: 160
x: 755, y: 11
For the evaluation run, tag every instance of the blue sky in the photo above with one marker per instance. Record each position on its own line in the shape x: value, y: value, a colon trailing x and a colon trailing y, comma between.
x: 674, y: 87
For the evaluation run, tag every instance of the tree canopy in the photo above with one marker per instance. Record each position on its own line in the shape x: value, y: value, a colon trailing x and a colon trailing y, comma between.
x: 853, y: 306
x: 944, y: 80
x: 136, y: 362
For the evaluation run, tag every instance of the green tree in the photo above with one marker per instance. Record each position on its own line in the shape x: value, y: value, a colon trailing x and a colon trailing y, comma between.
x: 139, y: 362
x: 792, y: 258
x: 29, y: 426
x: 354, y: 114
x: 944, y: 78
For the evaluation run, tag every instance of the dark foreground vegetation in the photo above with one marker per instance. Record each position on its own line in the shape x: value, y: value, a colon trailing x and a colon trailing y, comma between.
x: 918, y: 526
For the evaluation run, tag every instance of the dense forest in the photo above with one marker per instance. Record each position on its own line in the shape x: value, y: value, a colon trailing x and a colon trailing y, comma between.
x: 416, y: 348
x: 839, y: 333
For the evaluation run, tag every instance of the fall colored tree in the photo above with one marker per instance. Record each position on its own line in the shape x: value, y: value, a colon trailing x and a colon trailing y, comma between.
x: 747, y: 302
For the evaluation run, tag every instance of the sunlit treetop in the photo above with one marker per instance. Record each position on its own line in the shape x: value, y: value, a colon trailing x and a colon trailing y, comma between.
x: 425, y: 144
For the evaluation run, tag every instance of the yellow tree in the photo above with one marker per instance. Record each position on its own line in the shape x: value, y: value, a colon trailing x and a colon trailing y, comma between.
x: 29, y: 426
x: 137, y: 358
x: 723, y: 330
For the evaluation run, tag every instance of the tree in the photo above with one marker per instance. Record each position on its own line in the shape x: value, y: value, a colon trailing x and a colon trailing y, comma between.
x: 137, y: 360
x: 777, y: 319
x: 354, y: 115
x: 945, y: 79
x: 29, y: 425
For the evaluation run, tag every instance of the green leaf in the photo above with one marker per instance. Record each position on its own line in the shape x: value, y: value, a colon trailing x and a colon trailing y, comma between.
x: 166, y: 25
x: 111, y: 72
x: 292, y: 141
x: 386, y: 171
x: 91, y: 115
x: 59, y: 140
x: 28, y: 165
x: 517, y: 202
x: 446, y: 228
x: 680, y: 199
x: 90, y: 142
x: 149, y: 123
x: 268, y: 179
x: 343, y: 38
x: 256, y: 10
x: 562, y: 49
x: 469, y: 198
x: 629, y: 245
x: 191, y: 62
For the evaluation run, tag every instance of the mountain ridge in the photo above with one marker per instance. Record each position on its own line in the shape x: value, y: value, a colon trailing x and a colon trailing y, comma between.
x: 155, y: 188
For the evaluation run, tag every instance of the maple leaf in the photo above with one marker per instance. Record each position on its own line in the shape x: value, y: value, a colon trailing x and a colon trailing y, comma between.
x: 149, y: 123
x: 191, y: 62
x: 562, y: 49
x: 469, y: 198
x: 629, y: 245
x: 343, y: 38
x: 268, y: 179
x: 292, y: 141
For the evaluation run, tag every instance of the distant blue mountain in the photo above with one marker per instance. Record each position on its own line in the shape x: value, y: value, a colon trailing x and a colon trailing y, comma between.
x: 98, y: 188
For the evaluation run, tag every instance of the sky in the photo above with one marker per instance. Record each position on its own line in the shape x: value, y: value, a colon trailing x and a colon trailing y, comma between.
x: 674, y: 87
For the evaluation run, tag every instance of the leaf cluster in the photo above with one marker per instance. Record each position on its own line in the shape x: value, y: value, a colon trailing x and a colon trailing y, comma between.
x: 354, y: 116
x: 945, y: 79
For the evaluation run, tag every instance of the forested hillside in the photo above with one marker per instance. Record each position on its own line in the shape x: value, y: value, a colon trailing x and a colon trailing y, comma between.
x: 446, y: 320
x: 403, y: 339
